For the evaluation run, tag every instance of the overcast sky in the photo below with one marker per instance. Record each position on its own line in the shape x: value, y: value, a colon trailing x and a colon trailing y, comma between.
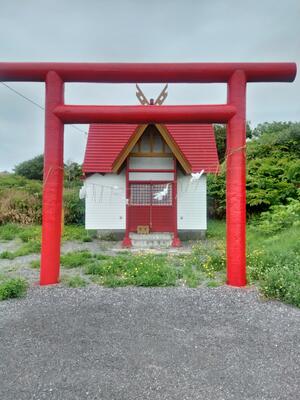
x: 141, y: 31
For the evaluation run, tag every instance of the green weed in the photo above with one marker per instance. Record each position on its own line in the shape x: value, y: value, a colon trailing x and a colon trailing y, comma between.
x: 30, y: 233
x: 7, y: 255
x: 12, y: 288
x: 10, y: 231
x: 213, y: 284
x: 30, y: 247
x: 75, y: 281
x: 76, y: 259
x: 26, y: 233
x: 140, y: 270
x: 35, y: 264
x: 216, y: 229
x: 109, y: 237
x: 78, y: 232
x: 282, y: 280
x: 273, y: 262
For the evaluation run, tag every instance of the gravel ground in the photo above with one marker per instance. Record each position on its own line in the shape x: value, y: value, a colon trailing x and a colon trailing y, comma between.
x: 113, y: 248
x: 136, y: 343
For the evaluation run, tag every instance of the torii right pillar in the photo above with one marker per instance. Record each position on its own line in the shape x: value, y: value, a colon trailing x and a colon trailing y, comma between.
x: 236, y: 182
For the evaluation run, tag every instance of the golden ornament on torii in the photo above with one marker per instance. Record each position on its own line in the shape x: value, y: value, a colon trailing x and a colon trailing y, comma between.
x: 145, y: 102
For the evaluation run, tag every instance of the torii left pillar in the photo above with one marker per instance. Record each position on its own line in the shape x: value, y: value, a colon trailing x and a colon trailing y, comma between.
x: 53, y: 181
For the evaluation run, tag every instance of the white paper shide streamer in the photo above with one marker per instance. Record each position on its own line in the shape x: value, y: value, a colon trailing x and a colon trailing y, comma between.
x: 160, y: 195
x: 82, y: 192
x: 196, y: 176
x: 99, y: 192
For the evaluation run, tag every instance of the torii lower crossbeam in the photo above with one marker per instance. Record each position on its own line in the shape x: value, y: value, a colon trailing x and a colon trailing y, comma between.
x: 236, y: 75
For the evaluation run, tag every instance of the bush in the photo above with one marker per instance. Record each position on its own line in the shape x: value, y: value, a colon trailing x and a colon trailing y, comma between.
x: 258, y: 261
x: 282, y: 280
x: 216, y: 194
x: 18, y: 206
x: 73, y: 207
x: 280, y: 217
x: 21, y: 201
x: 12, y: 181
x: 31, y: 169
x: 209, y: 259
x: 73, y: 173
x: 273, y: 261
x: 12, y: 288
x: 273, y: 170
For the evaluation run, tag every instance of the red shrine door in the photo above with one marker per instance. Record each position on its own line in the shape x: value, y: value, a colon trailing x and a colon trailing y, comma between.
x: 152, y: 204
x: 151, y: 184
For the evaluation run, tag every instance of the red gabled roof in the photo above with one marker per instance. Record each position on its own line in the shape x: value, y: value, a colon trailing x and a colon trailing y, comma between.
x: 104, y: 144
x: 197, y: 143
x: 106, y: 141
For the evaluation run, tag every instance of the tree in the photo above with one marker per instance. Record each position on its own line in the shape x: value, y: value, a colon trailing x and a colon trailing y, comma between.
x: 31, y: 169
x: 220, y: 137
x: 273, y: 168
x: 73, y: 171
x: 270, y: 128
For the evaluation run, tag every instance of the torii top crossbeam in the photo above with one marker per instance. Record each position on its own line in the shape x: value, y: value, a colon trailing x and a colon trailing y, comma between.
x: 236, y: 75
x: 148, y: 72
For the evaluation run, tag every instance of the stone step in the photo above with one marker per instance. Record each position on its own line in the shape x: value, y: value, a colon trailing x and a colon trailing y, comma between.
x: 151, y: 240
x: 152, y: 236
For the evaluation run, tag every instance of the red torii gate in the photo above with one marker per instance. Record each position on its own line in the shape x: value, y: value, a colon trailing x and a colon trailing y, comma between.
x: 236, y: 75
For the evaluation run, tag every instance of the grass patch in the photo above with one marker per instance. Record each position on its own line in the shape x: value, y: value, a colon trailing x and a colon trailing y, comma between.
x: 80, y: 258
x: 76, y: 259
x: 273, y: 259
x: 87, y: 239
x: 78, y: 232
x: 273, y: 262
x: 205, y: 262
x: 213, y: 284
x: 17, y: 231
x: 35, y: 264
x: 30, y: 233
x: 10, y: 231
x: 282, y: 281
x: 33, y: 232
x: 216, y: 229
x: 139, y: 270
x: 75, y: 281
x: 191, y: 276
x: 12, y: 288
x: 30, y: 247
x: 7, y: 255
